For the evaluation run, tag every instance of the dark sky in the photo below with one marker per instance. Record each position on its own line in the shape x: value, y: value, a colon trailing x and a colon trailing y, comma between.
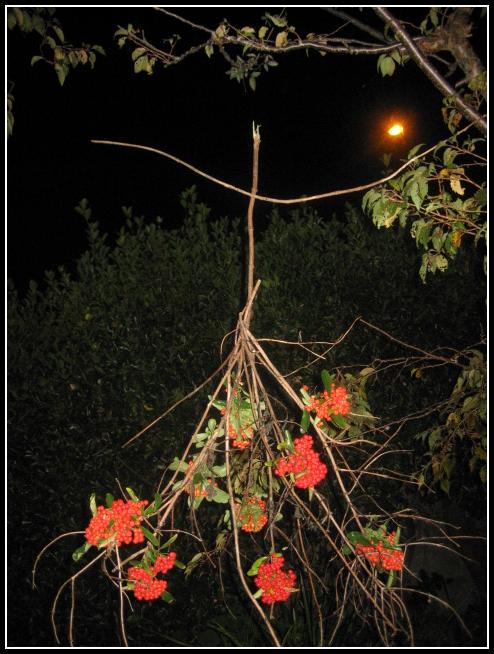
x: 321, y: 128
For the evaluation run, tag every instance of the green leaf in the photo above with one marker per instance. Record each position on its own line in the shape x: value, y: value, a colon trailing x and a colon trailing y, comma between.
x: 178, y: 465
x: 385, y: 65
x: 279, y: 21
x: 109, y: 500
x: 262, y: 32
x: 150, y: 536
x: 289, y: 441
x: 169, y: 542
x: 92, y: 504
x: 339, y: 421
x: 327, y: 380
x: 220, y: 496
x: 258, y: 593
x: 254, y: 569
x: 357, y: 538
x: 414, y: 150
x: 141, y: 64
x: 305, y: 421
x: 132, y: 495
x: 11, y: 20
x: 219, y: 471
x: 35, y: 59
x: 51, y: 42
x: 167, y: 597
x: 138, y: 52
x: 61, y: 72
x: 59, y: 32
x: 80, y: 551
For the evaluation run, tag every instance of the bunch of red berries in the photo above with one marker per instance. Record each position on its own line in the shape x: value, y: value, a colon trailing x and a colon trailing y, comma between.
x: 200, y: 489
x: 121, y: 520
x: 304, y: 464
x: 329, y: 404
x: 275, y: 583
x: 381, y: 556
x: 252, y: 514
x: 242, y: 437
x: 146, y: 586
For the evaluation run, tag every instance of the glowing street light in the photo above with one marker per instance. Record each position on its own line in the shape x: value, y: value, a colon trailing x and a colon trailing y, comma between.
x: 396, y: 130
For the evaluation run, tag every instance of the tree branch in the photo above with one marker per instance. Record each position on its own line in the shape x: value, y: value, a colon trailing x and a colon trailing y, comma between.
x: 357, y: 23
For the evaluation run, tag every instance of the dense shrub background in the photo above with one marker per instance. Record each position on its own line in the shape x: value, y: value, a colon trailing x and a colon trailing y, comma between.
x: 95, y: 355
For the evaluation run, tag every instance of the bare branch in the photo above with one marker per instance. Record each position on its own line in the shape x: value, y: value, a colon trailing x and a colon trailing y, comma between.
x: 357, y: 23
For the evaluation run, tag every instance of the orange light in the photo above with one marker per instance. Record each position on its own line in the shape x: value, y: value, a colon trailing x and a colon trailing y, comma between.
x: 396, y: 130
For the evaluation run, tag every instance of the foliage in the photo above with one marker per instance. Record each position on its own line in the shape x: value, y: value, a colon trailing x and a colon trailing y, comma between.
x: 54, y: 49
x: 463, y: 428
x: 445, y: 198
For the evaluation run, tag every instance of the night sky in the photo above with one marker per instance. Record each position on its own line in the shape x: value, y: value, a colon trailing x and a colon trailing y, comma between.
x: 321, y: 128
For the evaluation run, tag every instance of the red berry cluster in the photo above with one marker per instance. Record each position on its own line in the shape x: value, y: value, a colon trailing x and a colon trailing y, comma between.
x: 122, y: 520
x: 304, y: 463
x: 327, y: 404
x: 252, y: 514
x: 242, y: 438
x: 382, y: 557
x: 275, y: 583
x: 147, y: 587
x: 199, y: 489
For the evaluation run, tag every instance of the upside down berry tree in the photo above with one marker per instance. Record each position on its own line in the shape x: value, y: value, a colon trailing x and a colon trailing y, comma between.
x: 293, y: 468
